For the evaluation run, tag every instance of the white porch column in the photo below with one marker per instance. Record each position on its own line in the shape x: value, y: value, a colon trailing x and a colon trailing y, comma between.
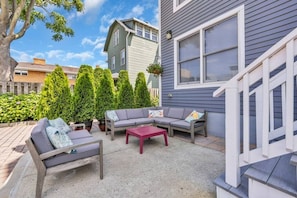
x: 232, y: 135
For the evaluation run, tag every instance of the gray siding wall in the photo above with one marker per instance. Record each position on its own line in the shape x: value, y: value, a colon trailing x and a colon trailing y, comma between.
x: 266, y: 22
x: 116, y: 50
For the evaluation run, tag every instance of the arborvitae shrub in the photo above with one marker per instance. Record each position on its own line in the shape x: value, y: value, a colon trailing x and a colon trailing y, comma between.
x: 142, y: 95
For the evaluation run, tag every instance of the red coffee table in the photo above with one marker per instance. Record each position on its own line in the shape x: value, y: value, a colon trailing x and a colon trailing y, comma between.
x: 145, y: 132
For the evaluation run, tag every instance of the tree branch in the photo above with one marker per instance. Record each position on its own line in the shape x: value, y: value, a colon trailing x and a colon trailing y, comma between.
x: 16, y: 16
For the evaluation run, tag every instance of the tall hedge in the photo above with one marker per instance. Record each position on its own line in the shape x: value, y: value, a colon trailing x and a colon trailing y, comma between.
x: 83, y: 104
x: 105, y: 98
x: 125, y: 93
x: 85, y: 68
x: 98, y: 73
x: 55, y: 96
x: 142, y: 95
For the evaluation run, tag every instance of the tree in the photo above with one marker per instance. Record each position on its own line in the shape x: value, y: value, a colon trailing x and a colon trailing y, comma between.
x: 125, y: 95
x: 24, y: 13
x: 104, y: 95
x: 98, y: 73
x: 83, y: 103
x: 142, y: 95
x: 55, y: 96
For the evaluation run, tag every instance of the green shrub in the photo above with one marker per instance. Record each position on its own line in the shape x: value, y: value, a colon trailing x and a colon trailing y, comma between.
x: 104, y: 95
x: 98, y: 73
x: 55, y: 96
x: 155, y: 101
x: 142, y: 95
x: 83, y: 104
x: 15, y: 108
x: 125, y: 93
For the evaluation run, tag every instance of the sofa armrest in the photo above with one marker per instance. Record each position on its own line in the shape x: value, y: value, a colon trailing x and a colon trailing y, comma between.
x: 67, y: 148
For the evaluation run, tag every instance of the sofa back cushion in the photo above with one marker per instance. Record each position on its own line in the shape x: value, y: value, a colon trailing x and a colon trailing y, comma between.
x: 40, y: 137
x: 176, y: 113
x: 165, y: 110
x: 145, y: 111
x: 134, y: 113
x: 187, y: 112
x: 122, y: 114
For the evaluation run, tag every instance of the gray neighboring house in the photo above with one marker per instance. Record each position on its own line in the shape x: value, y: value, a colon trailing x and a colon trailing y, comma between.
x: 132, y: 45
x: 243, y: 52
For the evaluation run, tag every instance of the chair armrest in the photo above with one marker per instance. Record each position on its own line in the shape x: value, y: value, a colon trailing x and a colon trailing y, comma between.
x: 73, y: 126
x: 67, y: 148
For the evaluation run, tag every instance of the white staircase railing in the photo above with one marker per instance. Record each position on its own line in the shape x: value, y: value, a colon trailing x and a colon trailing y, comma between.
x: 266, y: 90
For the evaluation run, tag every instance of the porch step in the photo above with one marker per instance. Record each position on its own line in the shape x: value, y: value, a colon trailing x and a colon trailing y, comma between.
x: 277, y: 173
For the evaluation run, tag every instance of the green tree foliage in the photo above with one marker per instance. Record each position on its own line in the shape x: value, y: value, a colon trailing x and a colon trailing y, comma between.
x: 123, y: 76
x: 83, y: 103
x: 105, y: 99
x: 98, y: 73
x: 125, y: 95
x: 55, y: 96
x: 85, y: 68
x: 17, y: 17
x: 142, y: 95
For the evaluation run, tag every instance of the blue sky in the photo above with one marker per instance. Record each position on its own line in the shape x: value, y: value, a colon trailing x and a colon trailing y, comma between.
x: 90, y: 27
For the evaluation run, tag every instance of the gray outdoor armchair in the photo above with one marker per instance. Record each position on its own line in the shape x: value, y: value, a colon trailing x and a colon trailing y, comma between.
x: 49, y: 160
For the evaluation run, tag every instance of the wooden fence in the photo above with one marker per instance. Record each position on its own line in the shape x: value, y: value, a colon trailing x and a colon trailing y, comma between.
x: 154, y: 92
x: 19, y: 87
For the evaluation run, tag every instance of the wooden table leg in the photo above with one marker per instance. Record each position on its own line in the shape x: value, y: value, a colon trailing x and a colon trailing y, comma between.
x: 141, y: 145
x: 127, y: 137
x: 165, y: 139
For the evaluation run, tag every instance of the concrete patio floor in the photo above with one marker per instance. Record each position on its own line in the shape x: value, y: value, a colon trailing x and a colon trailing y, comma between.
x: 180, y: 170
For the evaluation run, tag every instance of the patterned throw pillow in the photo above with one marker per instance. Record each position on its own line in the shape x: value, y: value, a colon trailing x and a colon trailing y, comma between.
x: 112, y: 115
x: 155, y: 113
x: 194, y: 116
x: 59, y: 139
x: 60, y: 124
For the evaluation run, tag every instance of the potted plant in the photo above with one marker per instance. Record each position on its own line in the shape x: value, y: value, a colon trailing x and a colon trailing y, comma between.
x: 83, y: 103
x: 155, y: 68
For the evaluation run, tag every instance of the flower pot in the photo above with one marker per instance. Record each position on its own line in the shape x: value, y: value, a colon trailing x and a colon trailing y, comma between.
x: 102, y: 125
x: 88, y: 124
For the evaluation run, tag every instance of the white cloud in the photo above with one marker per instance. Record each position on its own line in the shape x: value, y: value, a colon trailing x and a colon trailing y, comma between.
x: 87, y: 41
x: 55, y: 53
x: 82, y: 56
x: 91, y: 6
x: 136, y: 12
x: 21, y: 56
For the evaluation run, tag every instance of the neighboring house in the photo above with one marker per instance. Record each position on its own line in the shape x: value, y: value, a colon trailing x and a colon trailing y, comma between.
x: 244, y: 53
x: 132, y: 45
x: 36, y: 72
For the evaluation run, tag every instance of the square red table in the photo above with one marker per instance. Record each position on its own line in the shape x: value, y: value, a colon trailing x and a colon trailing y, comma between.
x: 144, y: 132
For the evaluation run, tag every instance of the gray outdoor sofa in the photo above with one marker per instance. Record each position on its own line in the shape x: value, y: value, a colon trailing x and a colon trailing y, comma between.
x: 48, y: 159
x: 173, y: 119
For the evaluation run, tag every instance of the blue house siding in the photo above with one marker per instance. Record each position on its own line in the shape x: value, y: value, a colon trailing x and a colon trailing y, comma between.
x: 266, y: 22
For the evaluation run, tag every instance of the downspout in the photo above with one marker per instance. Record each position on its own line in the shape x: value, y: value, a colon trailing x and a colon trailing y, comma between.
x: 126, y: 51
x: 159, y: 43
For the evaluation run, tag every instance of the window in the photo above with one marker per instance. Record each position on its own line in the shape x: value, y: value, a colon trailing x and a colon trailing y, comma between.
x: 155, y: 36
x: 147, y: 33
x: 209, y: 54
x: 116, y: 37
x: 123, y: 58
x: 113, y: 62
x: 178, y: 4
x: 21, y: 72
x: 71, y: 76
x: 139, y: 30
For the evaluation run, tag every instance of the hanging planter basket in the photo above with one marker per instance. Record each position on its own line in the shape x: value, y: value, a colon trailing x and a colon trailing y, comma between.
x: 155, y: 69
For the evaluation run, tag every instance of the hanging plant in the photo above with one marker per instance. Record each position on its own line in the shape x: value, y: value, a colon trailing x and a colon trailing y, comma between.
x: 155, y: 68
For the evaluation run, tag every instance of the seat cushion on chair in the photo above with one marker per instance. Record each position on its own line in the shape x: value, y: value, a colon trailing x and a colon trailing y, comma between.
x: 181, y: 124
x: 124, y: 123
x: 81, y: 152
x: 164, y: 121
x: 79, y: 134
x: 141, y: 121
x: 40, y: 137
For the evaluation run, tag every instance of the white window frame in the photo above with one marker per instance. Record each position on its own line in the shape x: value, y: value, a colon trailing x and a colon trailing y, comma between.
x: 177, y: 6
x: 123, y: 57
x: 147, y: 31
x: 112, y: 66
x: 21, y: 72
x: 139, y: 26
x: 116, y: 37
x: 239, y: 11
x: 154, y: 34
